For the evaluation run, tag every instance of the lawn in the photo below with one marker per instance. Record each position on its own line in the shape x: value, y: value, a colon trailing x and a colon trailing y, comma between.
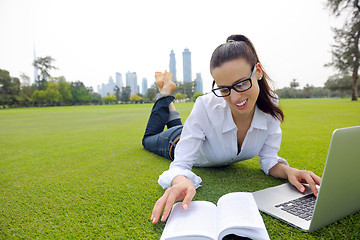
x: 81, y: 172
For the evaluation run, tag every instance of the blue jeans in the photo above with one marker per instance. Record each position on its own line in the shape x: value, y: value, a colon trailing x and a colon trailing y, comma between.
x: 157, y: 140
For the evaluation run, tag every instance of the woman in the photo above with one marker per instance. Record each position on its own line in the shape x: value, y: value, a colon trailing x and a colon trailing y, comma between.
x: 239, y: 120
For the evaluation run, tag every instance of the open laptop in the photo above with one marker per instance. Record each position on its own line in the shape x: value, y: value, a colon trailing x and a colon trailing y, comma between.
x: 339, y: 193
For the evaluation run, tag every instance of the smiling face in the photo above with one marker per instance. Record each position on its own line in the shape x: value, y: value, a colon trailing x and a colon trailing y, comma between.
x: 240, y: 103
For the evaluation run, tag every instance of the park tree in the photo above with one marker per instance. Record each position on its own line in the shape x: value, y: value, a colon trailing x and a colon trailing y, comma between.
x: 288, y: 92
x: 25, y: 79
x: 196, y: 95
x: 9, y: 88
x: 44, y: 65
x: 26, y: 92
x: 151, y: 93
x: 39, y: 96
x: 80, y: 93
x: 189, y: 88
x: 294, y: 83
x: 52, y: 93
x: 185, y: 88
x: 110, y: 98
x: 96, y: 98
x: 64, y: 89
x: 180, y: 96
x: 135, y: 98
x: 125, y: 94
x: 339, y: 84
x: 117, y: 91
x: 308, y: 91
x: 345, y: 51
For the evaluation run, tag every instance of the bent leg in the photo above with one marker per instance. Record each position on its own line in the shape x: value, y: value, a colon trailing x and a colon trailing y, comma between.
x: 160, y: 143
x: 163, y: 114
x: 174, y: 119
x: 159, y: 116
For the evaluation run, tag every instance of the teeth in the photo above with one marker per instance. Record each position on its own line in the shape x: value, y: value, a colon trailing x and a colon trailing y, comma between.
x: 242, y: 103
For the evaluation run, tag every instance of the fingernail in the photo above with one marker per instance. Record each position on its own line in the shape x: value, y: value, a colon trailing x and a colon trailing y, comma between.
x: 163, y: 218
x: 185, y: 206
x: 302, y: 189
x: 152, y: 216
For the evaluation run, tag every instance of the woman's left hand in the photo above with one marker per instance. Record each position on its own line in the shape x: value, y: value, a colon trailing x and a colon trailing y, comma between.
x: 296, y: 177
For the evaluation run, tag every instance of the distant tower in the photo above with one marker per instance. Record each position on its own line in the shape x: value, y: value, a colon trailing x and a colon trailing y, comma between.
x: 172, y: 65
x: 103, y: 90
x: 199, y: 83
x: 144, y: 86
x: 111, y: 85
x: 118, y: 80
x: 187, y: 66
x: 35, y: 68
x: 131, y: 81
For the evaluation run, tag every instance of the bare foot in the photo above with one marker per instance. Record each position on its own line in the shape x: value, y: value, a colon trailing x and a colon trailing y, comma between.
x: 159, y: 77
x: 169, y: 86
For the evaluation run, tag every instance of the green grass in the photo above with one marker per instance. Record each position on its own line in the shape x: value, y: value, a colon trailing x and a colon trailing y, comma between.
x: 81, y: 172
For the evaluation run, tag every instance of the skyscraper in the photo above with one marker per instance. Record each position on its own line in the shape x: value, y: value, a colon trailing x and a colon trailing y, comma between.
x: 199, y: 83
x: 103, y: 90
x: 172, y: 65
x: 131, y: 81
x: 144, y: 86
x: 111, y: 85
x: 118, y: 80
x: 187, y: 66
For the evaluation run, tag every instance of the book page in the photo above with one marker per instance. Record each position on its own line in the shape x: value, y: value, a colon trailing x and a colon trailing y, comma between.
x: 198, y: 221
x: 238, y: 213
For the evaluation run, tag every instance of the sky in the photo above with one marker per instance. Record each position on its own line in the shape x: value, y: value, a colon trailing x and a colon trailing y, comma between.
x: 91, y: 40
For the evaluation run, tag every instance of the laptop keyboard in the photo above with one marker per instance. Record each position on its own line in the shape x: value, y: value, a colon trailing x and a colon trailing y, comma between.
x: 302, y: 207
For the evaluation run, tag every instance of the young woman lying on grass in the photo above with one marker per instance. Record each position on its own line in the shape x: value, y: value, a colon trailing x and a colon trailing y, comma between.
x: 237, y: 121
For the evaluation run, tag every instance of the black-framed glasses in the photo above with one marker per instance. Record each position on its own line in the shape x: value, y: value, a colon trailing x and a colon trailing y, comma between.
x: 240, y: 86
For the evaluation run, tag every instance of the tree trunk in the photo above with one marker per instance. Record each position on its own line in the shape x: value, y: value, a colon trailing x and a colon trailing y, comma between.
x: 355, y: 93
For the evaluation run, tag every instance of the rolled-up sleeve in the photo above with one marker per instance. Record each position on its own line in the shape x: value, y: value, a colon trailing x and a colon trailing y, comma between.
x: 168, y: 176
x: 187, y: 149
x: 268, y: 155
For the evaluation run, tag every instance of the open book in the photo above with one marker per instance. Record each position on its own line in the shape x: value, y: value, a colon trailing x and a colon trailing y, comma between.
x: 235, y: 213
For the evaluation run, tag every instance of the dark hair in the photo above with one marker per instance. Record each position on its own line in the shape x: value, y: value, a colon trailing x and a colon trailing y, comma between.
x: 239, y: 46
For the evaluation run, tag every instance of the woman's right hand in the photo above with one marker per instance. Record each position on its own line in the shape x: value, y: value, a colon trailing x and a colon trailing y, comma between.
x: 182, y: 188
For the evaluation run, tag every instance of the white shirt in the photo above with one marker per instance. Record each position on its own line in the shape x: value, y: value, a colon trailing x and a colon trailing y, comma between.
x: 209, y: 139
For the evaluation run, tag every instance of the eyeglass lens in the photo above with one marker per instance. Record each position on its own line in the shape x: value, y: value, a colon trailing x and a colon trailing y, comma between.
x: 240, y: 87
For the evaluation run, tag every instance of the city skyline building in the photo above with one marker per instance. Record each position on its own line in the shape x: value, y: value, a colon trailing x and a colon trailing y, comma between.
x: 111, y: 85
x: 103, y: 90
x: 108, y: 88
x: 187, y: 75
x: 199, y: 83
x: 172, y: 65
x: 131, y: 81
x: 131, y: 77
x: 144, y: 86
x: 118, y: 80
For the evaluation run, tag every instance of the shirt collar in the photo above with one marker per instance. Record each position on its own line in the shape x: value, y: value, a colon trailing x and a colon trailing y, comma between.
x: 258, y: 121
x: 229, y: 123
